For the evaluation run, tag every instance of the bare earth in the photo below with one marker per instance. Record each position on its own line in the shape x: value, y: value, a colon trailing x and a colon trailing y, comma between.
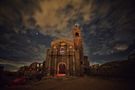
x: 78, y: 83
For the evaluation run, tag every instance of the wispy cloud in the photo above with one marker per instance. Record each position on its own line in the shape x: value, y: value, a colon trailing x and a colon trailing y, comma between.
x: 59, y: 15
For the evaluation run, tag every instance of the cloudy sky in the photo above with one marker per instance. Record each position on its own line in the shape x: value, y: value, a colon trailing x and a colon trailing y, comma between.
x: 28, y: 26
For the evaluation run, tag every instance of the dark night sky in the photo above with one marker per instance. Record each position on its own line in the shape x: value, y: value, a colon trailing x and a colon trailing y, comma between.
x: 28, y: 26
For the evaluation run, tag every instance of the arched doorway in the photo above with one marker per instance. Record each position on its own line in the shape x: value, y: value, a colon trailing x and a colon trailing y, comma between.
x: 61, y: 69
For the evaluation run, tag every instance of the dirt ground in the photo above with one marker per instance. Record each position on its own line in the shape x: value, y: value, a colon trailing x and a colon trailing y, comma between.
x: 77, y: 83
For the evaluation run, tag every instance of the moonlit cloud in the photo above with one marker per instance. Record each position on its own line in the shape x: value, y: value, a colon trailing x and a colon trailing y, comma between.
x: 27, y: 28
x: 57, y: 15
x: 121, y: 47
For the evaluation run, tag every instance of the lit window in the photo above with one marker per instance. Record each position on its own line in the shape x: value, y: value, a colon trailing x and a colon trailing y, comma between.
x: 70, y: 46
x: 37, y: 65
x: 54, y: 47
x: 41, y: 64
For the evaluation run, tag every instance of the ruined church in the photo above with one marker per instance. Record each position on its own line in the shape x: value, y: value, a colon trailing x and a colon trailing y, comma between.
x: 66, y: 57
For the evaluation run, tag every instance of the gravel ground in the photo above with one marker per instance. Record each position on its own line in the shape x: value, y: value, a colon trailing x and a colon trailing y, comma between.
x: 77, y: 83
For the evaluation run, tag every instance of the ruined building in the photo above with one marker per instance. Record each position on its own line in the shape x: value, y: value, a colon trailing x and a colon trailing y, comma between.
x: 32, y: 68
x: 66, y: 57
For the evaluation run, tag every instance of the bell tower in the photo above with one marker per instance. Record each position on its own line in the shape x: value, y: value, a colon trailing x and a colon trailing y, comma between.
x: 77, y: 39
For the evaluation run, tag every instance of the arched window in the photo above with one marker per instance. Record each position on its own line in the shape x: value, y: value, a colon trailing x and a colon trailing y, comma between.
x: 77, y: 34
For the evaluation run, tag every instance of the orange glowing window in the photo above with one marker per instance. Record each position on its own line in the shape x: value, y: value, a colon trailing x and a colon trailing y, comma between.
x: 70, y: 46
x: 54, y: 47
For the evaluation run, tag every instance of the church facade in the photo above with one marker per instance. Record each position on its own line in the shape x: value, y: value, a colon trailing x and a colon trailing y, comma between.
x: 66, y: 57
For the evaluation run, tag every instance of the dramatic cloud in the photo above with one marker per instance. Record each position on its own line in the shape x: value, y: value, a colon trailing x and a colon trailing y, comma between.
x: 110, y: 33
x: 12, y: 12
x: 121, y: 47
x: 27, y: 28
x: 57, y: 16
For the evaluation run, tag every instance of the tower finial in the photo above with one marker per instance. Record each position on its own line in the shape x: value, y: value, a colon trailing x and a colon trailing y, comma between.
x: 77, y: 25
